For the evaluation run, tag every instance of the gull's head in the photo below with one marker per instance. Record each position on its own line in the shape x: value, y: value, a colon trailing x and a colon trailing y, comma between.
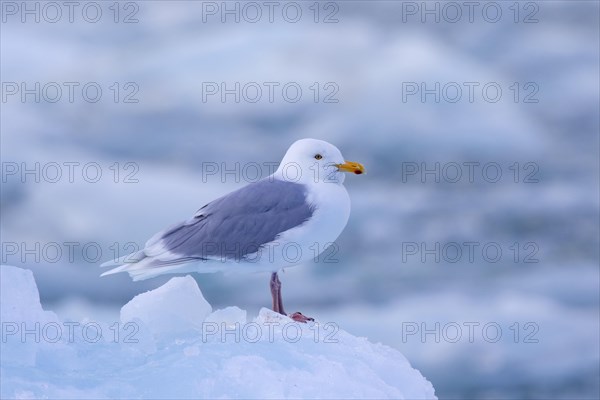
x: 316, y: 161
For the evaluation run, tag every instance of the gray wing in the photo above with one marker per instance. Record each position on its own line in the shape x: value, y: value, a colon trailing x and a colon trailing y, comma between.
x: 235, y: 225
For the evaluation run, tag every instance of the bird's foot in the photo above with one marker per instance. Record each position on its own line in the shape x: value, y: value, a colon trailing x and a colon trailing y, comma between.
x: 299, y: 317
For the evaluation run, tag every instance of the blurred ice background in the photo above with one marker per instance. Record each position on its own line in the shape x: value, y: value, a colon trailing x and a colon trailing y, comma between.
x: 374, y: 288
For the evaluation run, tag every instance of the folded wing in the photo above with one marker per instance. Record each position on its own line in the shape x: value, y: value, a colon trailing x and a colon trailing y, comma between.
x: 229, y: 228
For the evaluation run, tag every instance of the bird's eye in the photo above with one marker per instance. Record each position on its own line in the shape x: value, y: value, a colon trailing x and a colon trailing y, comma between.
x: 318, y: 156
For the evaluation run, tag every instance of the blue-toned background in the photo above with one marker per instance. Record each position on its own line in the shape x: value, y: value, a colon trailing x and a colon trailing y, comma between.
x: 547, y: 310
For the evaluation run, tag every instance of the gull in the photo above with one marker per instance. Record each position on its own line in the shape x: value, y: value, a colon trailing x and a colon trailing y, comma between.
x: 280, y: 221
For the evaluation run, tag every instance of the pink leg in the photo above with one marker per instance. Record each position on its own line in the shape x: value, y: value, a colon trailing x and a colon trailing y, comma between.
x: 278, y: 302
x: 276, y: 294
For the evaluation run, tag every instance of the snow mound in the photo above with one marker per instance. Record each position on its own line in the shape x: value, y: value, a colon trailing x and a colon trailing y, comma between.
x: 169, y: 344
x: 156, y: 309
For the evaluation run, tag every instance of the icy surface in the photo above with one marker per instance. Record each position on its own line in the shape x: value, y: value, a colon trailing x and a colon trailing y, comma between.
x: 169, y: 344
x: 156, y: 309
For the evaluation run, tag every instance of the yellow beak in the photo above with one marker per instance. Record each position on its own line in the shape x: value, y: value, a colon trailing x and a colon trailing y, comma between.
x: 350, y: 166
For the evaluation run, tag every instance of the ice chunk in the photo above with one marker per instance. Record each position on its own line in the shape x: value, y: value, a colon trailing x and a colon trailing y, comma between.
x: 171, y: 356
x: 229, y: 316
x: 176, y: 308
x: 25, y: 325
x: 19, y: 297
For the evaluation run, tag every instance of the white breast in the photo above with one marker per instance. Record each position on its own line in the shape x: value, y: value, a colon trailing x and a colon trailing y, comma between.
x: 305, y: 243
